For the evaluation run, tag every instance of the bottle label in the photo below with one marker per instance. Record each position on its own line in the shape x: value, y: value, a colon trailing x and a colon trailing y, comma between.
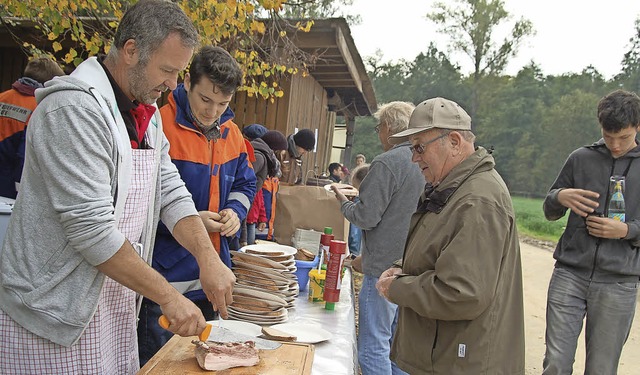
x: 617, y: 216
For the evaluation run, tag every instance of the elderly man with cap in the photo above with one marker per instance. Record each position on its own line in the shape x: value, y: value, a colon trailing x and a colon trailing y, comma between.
x: 459, y: 286
x: 298, y: 144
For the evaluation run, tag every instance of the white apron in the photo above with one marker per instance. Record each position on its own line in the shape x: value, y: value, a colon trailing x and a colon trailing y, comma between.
x: 109, y: 345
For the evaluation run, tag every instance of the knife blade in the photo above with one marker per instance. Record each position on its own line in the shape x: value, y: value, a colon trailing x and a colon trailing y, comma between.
x: 221, y: 334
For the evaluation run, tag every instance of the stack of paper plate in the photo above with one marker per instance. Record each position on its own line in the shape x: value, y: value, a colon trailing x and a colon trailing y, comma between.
x: 258, y: 307
x: 260, y: 271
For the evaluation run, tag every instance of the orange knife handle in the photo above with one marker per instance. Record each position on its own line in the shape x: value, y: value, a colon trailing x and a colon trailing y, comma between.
x: 203, y: 336
x: 164, y: 322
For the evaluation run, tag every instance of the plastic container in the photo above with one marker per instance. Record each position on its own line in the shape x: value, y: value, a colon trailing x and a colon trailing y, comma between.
x: 325, y: 240
x: 337, y: 251
x: 316, y: 284
x: 302, y: 272
x: 616, y: 210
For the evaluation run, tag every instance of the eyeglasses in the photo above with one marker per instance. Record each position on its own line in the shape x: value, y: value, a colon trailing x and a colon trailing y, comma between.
x: 377, y: 128
x: 420, y: 147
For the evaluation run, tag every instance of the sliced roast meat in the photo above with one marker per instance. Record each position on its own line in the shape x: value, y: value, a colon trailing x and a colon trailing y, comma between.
x: 215, y: 356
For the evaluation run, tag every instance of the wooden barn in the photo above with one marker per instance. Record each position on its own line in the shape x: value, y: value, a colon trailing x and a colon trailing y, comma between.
x: 326, y: 101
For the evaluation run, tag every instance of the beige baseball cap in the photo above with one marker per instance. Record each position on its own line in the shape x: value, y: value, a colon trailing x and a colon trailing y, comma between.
x: 435, y: 113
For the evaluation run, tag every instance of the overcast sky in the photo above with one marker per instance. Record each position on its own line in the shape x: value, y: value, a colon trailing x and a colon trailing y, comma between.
x: 571, y: 34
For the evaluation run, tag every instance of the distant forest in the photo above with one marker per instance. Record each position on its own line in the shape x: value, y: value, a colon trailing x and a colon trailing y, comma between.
x: 532, y: 120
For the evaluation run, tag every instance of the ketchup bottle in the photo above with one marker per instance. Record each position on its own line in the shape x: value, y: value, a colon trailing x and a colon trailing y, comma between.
x: 333, y: 281
x: 325, y: 240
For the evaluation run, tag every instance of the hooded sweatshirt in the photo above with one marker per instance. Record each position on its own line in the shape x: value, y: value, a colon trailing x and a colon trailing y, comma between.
x: 74, y: 186
x: 586, y: 256
x: 388, y: 196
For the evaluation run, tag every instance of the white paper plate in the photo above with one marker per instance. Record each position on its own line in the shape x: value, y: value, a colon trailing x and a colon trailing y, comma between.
x: 345, y: 189
x: 237, y: 326
x: 305, y: 333
x: 269, y: 249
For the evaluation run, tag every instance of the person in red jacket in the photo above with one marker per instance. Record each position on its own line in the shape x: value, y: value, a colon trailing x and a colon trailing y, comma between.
x: 211, y: 156
x: 16, y: 106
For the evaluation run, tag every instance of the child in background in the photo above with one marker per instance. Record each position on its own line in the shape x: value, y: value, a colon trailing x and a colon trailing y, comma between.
x: 355, y: 234
x: 277, y: 142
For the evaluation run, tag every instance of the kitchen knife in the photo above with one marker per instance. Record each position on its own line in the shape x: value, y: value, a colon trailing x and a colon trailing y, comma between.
x: 221, y: 334
x: 203, y: 336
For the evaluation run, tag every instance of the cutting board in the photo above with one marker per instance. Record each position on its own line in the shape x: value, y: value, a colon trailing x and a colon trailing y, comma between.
x: 178, y: 357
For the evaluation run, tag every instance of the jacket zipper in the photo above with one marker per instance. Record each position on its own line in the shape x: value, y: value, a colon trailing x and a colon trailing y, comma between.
x: 606, y: 208
x: 435, y: 341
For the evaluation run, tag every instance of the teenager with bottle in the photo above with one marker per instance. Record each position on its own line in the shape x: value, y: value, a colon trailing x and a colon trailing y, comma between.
x: 597, y: 258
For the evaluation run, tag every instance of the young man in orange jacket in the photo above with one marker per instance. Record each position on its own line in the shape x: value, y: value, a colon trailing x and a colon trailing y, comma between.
x: 210, y: 153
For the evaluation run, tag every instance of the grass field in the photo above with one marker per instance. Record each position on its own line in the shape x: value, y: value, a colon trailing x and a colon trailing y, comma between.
x: 531, y: 221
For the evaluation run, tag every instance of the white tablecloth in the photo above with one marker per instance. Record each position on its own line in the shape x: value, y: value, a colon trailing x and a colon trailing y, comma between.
x: 336, y: 356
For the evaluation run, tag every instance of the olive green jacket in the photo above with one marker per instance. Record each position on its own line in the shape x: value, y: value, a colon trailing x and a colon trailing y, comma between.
x: 460, y: 300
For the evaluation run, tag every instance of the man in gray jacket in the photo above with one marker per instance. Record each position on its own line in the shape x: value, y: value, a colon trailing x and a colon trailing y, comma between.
x: 388, y: 196
x: 97, y: 178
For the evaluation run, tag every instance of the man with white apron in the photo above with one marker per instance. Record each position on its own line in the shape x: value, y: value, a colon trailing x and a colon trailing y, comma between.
x: 97, y: 179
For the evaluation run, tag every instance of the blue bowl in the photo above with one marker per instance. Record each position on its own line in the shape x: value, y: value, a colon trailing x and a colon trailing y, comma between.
x: 302, y: 272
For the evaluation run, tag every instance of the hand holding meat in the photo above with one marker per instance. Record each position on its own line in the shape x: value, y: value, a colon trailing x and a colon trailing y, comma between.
x: 582, y: 202
x: 217, y: 282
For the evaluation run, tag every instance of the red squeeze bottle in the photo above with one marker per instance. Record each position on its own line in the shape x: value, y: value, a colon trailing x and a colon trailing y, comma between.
x: 333, y: 281
x: 325, y: 241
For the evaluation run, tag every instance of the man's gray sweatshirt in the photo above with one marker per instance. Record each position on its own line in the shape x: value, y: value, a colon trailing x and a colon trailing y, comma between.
x: 388, y: 197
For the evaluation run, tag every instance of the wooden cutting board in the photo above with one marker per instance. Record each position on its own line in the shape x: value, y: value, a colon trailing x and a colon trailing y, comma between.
x: 178, y: 357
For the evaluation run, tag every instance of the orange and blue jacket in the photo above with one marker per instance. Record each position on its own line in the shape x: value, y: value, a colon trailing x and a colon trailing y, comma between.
x: 217, y: 173
x: 269, y: 193
x: 16, y: 106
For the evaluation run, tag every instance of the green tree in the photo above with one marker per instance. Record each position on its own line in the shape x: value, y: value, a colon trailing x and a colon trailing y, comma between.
x: 316, y: 9
x: 629, y: 78
x: 432, y: 74
x: 589, y: 81
x: 250, y: 30
x: 470, y: 26
x: 389, y: 78
x: 366, y: 140
x: 513, y: 125
x: 567, y: 124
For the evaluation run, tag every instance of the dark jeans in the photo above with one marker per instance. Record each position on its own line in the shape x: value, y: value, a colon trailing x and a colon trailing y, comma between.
x: 151, y: 337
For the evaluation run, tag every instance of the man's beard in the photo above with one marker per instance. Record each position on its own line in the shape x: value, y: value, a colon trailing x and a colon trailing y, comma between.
x: 139, y: 87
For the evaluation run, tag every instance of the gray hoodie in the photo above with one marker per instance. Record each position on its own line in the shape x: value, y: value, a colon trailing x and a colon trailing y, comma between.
x: 388, y: 197
x: 74, y: 185
x: 588, y: 257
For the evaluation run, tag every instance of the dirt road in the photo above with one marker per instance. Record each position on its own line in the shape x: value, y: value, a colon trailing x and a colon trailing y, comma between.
x: 537, y: 265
